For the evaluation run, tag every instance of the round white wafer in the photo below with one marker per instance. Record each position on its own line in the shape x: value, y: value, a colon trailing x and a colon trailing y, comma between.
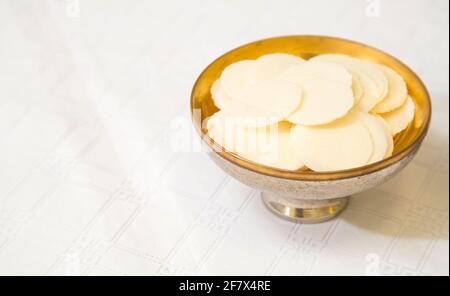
x: 397, y: 92
x: 323, y: 101
x: 237, y: 77
x: 399, y: 119
x: 343, y: 144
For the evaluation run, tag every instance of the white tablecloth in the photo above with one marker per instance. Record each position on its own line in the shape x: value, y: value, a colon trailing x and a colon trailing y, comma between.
x: 89, y: 92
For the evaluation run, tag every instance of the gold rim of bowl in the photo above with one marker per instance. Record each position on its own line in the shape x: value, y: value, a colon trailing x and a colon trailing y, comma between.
x: 307, y: 46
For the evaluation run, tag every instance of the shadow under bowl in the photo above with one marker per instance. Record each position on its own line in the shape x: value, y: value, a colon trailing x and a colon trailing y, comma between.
x: 307, y: 196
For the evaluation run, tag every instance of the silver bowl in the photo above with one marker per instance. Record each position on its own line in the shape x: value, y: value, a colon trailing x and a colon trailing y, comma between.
x: 307, y: 196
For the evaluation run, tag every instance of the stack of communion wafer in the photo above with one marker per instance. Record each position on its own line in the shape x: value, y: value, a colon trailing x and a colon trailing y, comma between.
x: 332, y: 112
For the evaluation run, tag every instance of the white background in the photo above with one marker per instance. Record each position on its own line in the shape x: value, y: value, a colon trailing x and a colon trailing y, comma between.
x: 88, y: 184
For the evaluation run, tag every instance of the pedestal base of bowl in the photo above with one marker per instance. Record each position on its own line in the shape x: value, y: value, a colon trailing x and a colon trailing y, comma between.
x: 304, y: 210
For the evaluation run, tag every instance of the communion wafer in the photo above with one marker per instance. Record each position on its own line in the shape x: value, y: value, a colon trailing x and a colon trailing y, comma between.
x: 343, y: 144
x: 397, y: 93
x: 399, y: 119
